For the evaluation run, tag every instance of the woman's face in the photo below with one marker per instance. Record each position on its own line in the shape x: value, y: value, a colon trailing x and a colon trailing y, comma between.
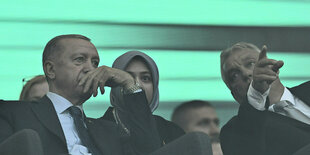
x: 141, y: 73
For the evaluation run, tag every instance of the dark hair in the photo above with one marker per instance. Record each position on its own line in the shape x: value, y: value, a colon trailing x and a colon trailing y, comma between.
x: 52, y: 46
x: 24, y: 95
x: 178, y: 113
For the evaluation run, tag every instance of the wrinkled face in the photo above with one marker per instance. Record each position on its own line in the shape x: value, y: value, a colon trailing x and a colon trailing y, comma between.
x: 202, y: 119
x: 238, y: 72
x: 77, y: 58
x: 37, y: 91
x: 141, y: 73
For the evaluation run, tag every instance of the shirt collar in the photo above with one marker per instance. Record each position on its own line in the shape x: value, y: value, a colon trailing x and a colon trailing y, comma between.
x: 288, y: 96
x: 60, y: 103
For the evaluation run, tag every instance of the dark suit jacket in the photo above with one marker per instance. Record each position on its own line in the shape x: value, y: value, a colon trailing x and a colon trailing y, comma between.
x: 168, y: 131
x: 41, y: 117
x: 254, y: 132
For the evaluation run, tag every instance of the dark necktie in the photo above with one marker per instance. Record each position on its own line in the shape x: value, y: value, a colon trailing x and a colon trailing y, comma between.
x: 76, y: 113
x: 286, y: 108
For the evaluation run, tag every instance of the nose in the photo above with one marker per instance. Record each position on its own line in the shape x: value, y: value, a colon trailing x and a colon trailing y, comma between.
x: 214, y: 129
x: 247, y: 74
x: 88, y: 66
x: 138, y: 80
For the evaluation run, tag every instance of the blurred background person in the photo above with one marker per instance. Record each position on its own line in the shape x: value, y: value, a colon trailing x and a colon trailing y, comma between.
x: 144, y: 70
x: 34, y: 89
x: 199, y: 115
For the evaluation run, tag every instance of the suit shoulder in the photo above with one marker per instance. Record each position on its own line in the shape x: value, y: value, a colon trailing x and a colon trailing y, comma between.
x: 301, y: 91
x: 167, y: 129
x: 231, y: 122
x: 9, y: 102
x: 230, y: 129
x: 163, y: 122
x: 228, y: 136
x: 14, y: 105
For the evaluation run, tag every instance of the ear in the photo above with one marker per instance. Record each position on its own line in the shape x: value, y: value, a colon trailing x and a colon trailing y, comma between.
x: 49, y: 69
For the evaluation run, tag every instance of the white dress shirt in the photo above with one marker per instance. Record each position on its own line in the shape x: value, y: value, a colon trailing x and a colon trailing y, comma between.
x: 61, y: 106
x: 258, y: 100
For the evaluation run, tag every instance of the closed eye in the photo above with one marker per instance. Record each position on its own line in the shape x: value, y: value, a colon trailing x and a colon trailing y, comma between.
x: 250, y: 64
x: 204, y: 122
x: 95, y: 63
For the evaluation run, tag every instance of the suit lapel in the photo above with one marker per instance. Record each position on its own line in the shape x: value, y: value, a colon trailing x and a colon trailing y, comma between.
x: 47, y: 115
x: 105, y: 136
x: 302, y: 92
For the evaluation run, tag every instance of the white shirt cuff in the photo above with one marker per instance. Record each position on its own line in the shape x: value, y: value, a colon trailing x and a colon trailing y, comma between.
x: 256, y: 99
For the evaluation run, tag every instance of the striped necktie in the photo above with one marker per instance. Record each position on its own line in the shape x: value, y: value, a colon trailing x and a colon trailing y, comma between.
x: 80, y: 126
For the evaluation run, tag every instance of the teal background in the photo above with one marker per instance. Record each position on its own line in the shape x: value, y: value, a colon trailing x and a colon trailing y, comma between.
x: 118, y: 26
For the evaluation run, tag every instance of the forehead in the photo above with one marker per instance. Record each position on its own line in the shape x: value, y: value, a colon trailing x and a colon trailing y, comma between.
x: 137, y: 65
x: 202, y: 112
x: 75, y: 46
x: 238, y: 58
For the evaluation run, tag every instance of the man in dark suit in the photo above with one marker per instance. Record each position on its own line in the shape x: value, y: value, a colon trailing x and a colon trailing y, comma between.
x: 70, y: 64
x: 259, y: 129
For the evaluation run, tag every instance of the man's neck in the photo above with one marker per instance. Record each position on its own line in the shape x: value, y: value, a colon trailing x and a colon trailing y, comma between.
x: 73, y: 100
x: 276, y: 92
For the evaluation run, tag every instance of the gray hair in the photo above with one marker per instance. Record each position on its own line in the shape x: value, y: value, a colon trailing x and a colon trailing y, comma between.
x: 236, y: 47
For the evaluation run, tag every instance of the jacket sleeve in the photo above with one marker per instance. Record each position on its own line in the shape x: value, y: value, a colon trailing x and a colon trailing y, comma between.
x: 6, y: 129
x: 139, y: 125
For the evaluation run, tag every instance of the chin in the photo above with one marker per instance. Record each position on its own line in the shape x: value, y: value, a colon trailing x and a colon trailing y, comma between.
x: 83, y: 96
x: 240, y: 99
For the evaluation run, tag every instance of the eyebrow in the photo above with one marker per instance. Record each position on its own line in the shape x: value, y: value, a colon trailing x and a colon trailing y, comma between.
x: 96, y: 57
x: 144, y: 72
x: 248, y: 57
x: 85, y: 55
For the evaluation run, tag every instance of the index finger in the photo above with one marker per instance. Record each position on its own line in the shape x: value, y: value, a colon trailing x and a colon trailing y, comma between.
x: 85, y: 77
x: 263, y: 53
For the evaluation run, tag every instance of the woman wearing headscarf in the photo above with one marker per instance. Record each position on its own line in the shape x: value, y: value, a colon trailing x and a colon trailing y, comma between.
x: 145, y: 72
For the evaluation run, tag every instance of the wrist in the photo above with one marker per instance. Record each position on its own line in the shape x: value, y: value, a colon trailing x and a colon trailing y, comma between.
x: 131, y: 88
x: 254, y: 90
x: 256, y: 98
x: 260, y: 87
